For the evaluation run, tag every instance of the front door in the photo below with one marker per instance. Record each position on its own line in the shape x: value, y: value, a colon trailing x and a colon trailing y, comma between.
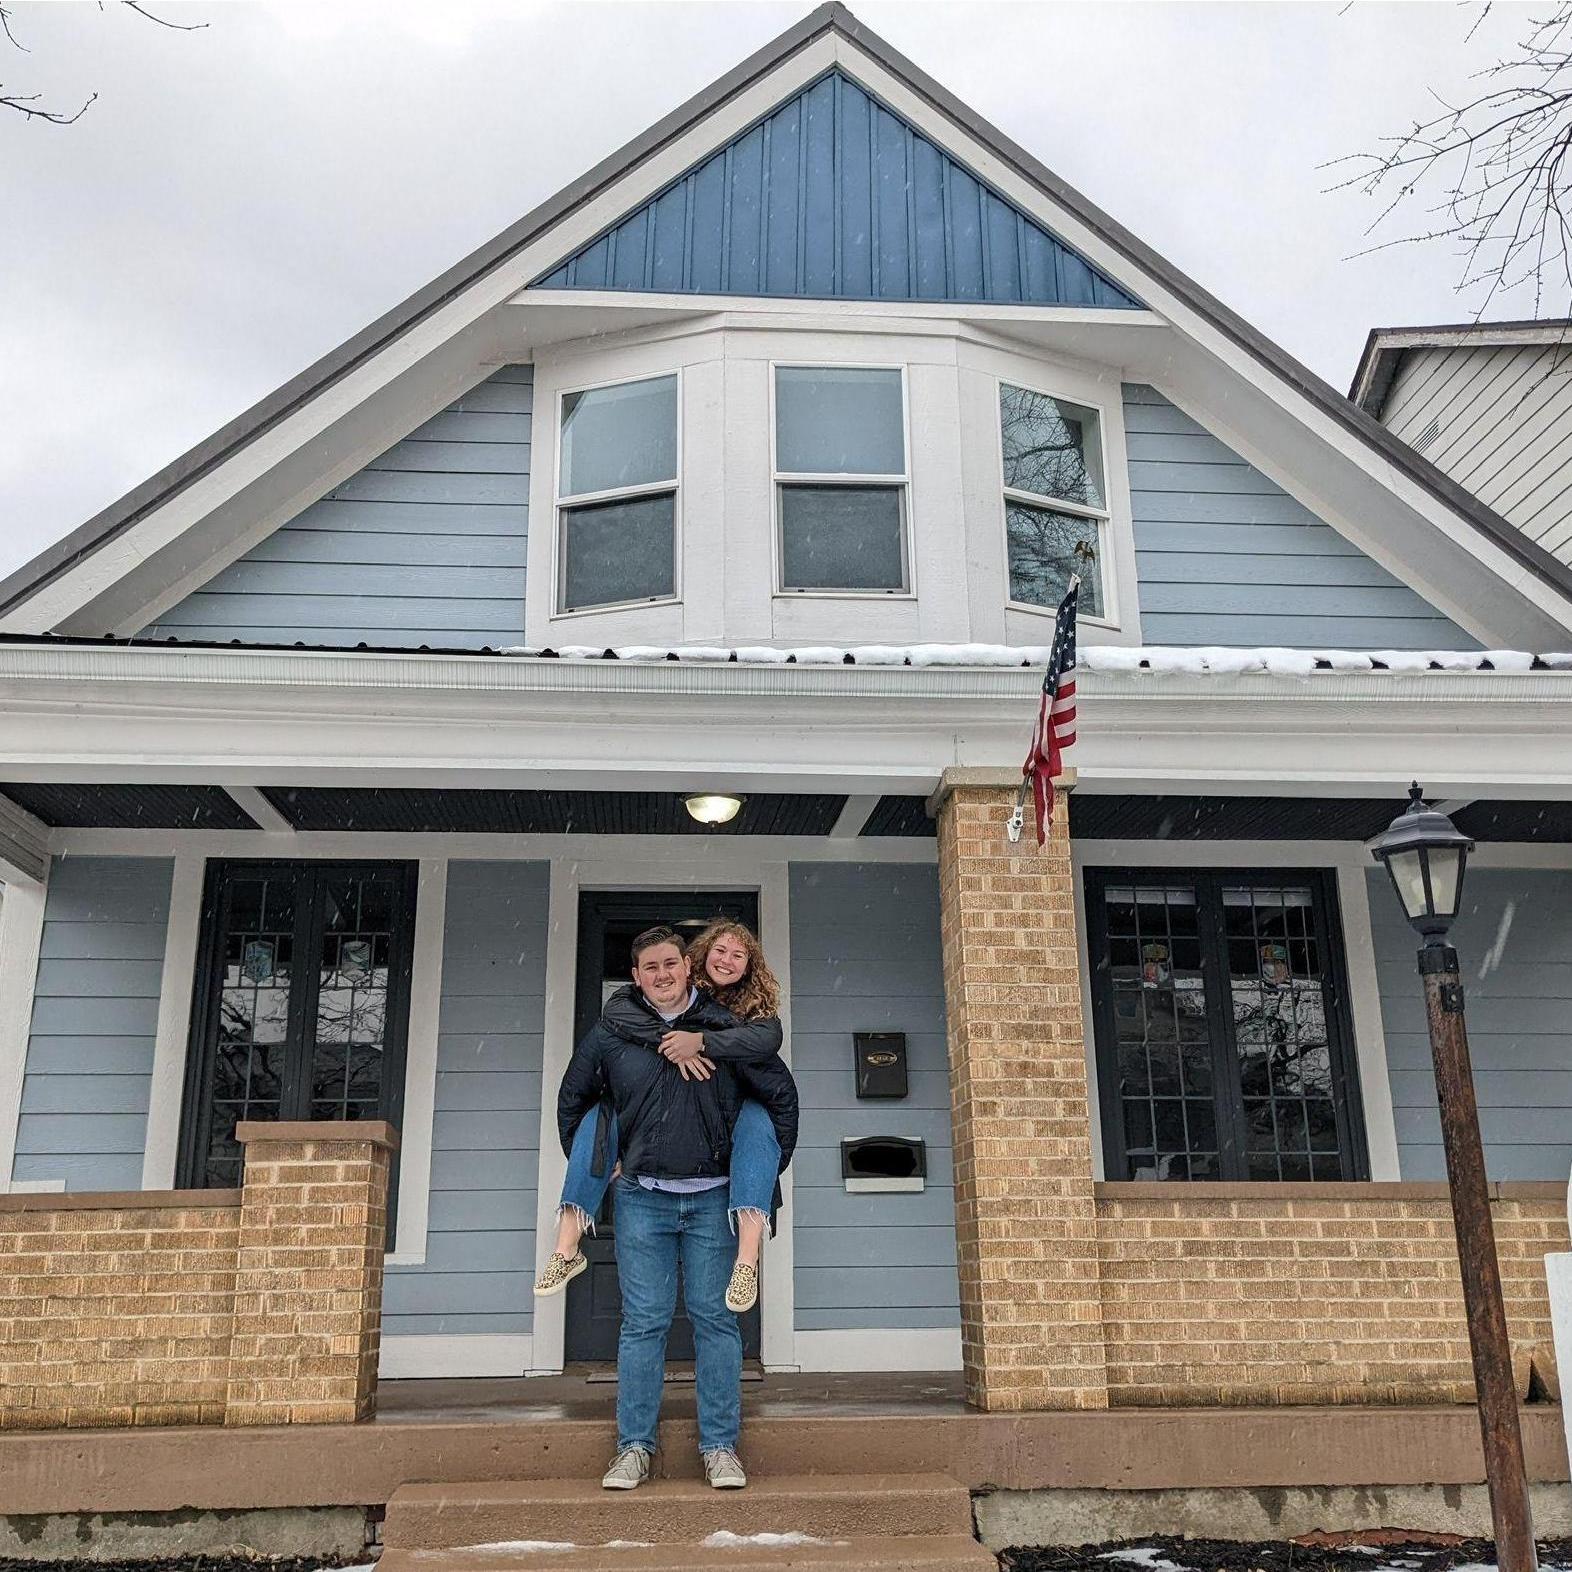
x: 608, y: 924
x: 301, y: 1002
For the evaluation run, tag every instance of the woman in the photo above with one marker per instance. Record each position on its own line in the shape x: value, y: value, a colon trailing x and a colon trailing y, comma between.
x: 728, y: 964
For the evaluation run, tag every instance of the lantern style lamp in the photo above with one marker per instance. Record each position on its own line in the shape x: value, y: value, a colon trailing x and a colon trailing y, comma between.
x: 1425, y: 853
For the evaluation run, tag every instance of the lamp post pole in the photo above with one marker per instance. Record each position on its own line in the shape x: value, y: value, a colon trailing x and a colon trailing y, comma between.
x: 1488, y: 1341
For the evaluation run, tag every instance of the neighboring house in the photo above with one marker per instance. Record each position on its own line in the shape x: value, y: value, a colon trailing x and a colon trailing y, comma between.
x: 340, y: 758
x: 1489, y: 404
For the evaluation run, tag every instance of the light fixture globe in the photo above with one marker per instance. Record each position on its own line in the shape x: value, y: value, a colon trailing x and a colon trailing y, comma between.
x: 712, y: 807
x: 1425, y: 853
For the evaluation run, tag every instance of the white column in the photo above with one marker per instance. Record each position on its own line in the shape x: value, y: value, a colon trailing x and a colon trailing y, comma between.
x: 21, y: 936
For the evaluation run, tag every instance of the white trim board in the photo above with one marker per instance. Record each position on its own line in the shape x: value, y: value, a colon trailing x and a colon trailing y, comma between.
x: 412, y: 1357
x: 881, y: 1348
x: 172, y: 1035
x: 21, y: 937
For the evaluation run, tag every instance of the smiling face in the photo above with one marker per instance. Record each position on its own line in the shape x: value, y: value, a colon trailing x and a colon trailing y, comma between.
x: 661, y: 973
x: 726, y: 964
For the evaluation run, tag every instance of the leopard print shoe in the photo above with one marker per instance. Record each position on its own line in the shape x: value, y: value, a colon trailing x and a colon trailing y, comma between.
x: 742, y: 1291
x: 558, y: 1272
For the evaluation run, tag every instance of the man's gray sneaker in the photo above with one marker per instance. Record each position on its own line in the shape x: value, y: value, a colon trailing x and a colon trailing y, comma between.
x: 629, y: 1469
x: 723, y: 1469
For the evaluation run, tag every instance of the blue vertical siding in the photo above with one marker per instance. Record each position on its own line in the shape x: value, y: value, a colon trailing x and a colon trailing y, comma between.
x: 865, y: 957
x: 1515, y: 939
x: 426, y: 545
x: 95, y: 1013
x: 1225, y: 556
x: 480, y: 1246
x: 832, y: 196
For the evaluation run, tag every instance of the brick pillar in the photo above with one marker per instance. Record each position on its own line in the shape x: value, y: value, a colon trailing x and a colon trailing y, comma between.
x: 308, y: 1289
x: 1031, y: 1320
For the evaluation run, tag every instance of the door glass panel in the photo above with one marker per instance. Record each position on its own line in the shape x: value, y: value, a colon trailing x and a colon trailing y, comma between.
x: 1278, y: 999
x: 352, y: 996
x: 1163, y: 1040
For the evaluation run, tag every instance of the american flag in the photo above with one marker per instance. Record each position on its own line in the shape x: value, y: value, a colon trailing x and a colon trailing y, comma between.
x: 1055, y: 728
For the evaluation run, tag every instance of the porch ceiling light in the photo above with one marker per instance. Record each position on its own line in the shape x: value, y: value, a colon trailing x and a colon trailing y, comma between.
x: 712, y: 807
x: 1425, y: 854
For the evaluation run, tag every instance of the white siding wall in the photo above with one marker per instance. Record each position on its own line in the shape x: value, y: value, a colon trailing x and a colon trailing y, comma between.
x: 1498, y: 421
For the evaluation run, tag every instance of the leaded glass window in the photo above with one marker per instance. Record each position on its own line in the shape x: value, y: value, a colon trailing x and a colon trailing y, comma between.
x: 1222, y: 1048
x: 1055, y: 499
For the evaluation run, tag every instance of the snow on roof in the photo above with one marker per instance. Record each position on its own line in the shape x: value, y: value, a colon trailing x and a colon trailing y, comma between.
x: 1161, y: 660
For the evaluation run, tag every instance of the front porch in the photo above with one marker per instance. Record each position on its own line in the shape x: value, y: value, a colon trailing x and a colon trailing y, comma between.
x: 1314, y: 1268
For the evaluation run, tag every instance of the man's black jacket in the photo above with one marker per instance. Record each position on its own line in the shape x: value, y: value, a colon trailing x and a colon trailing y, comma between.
x: 670, y: 1127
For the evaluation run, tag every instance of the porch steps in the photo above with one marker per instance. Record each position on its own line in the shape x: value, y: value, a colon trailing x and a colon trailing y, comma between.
x: 882, y: 1522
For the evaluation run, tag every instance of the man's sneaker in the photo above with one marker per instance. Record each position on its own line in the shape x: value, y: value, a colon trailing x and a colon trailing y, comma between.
x: 558, y: 1272
x: 629, y: 1469
x: 742, y: 1291
x: 723, y: 1469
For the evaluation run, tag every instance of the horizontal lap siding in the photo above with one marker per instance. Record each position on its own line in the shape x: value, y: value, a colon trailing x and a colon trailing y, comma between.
x: 485, y: 1155
x: 1515, y: 940
x: 1498, y: 421
x: 1225, y: 556
x: 865, y: 957
x: 95, y: 1014
x: 426, y: 545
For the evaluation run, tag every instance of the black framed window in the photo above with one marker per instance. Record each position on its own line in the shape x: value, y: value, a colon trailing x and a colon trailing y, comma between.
x: 301, y: 1003
x: 1224, y: 1046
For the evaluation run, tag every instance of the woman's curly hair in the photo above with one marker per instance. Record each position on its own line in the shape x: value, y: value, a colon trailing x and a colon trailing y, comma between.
x: 758, y: 996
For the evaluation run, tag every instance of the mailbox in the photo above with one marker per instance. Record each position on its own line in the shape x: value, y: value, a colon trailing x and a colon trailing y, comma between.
x: 881, y: 1064
x: 871, y: 1164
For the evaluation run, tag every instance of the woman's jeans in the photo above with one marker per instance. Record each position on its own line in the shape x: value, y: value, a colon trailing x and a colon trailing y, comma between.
x: 755, y: 1164
x: 657, y: 1231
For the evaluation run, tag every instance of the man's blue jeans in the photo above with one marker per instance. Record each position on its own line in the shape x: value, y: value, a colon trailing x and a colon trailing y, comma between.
x: 655, y: 1231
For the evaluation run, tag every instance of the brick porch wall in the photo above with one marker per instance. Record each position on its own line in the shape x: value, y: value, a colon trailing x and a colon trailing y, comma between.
x: 1298, y: 1293
x: 259, y: 1305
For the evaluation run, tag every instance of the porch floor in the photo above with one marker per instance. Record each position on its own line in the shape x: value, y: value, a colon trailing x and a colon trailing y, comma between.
x: 552, y: 1427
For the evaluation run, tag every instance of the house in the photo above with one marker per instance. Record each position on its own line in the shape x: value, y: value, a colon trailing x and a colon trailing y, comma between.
x: 340, y: 758
x: 1488, y: 404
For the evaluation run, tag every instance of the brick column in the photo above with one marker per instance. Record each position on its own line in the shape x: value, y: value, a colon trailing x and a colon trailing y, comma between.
x: 308, y: 1290
x: 1031, y: 1319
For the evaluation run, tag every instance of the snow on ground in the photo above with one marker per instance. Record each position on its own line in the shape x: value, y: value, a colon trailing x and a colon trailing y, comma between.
x: 724, y: 1539
x: 1143, y: 1556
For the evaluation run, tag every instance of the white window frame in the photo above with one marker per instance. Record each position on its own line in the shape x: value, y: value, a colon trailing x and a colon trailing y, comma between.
x: 561, y: 504
x: 902, y: 483
x: 1103, y: 516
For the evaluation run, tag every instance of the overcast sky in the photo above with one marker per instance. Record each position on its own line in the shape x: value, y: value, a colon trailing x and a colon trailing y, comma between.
x: 242, y: 198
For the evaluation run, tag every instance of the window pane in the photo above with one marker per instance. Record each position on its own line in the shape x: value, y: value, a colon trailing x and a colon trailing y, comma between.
x: 617, y: 551
x: 1051, y: 448
x: 834, y: 421
x: 841, y: 537
x: 622, y: 436
x: 1045, y: 549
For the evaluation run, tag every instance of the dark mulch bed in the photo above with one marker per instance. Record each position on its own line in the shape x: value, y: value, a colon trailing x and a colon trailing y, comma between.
x: 1280, y: 1555
x: 192, y: 1564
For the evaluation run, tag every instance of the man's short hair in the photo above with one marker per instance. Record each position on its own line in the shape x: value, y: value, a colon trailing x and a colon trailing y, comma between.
x: 660, y: 934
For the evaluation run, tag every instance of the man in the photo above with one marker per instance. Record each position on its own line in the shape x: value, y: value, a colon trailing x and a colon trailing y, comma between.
x: 671, y: 1204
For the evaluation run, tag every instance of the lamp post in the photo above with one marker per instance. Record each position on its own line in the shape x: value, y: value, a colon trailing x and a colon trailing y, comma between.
x: 1425, y: 854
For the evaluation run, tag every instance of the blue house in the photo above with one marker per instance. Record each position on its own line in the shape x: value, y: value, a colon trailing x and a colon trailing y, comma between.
x: 343, y: 757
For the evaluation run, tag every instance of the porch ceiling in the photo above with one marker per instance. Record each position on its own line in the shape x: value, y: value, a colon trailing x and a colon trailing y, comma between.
x: 118, y: 806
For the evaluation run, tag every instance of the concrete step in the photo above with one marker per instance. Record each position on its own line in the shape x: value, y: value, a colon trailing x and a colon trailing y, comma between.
x: 879, y: 1553
x: 666, y: 1511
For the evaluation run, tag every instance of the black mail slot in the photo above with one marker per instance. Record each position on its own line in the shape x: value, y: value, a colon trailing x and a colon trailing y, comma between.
x: 884, y: 1162
x: 881, y: 1064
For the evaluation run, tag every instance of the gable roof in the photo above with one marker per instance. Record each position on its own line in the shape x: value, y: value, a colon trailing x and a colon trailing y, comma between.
x: 1385, y: 347
x: 834, y: 196
x: 1160, y: 277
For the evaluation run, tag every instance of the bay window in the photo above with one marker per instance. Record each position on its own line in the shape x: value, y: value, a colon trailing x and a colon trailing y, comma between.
x: 617, y: 495
x: 841, y: 479
x: 1055, y: 499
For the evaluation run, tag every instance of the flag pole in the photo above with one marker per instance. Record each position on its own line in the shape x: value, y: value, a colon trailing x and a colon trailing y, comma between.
x: 1017, y: 820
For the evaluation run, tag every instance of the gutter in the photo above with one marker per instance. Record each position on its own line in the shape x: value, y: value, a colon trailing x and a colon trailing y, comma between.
x: 34, y: 668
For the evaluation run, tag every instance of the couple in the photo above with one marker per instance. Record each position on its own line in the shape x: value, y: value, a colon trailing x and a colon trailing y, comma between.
x: 678, y: 1099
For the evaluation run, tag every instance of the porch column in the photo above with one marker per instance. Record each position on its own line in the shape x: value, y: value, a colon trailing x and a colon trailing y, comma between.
x: 1031, y: 1320
x: 308, y: 1288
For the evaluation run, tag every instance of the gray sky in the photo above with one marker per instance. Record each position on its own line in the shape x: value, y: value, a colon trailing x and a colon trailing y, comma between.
x: 242, y: 198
